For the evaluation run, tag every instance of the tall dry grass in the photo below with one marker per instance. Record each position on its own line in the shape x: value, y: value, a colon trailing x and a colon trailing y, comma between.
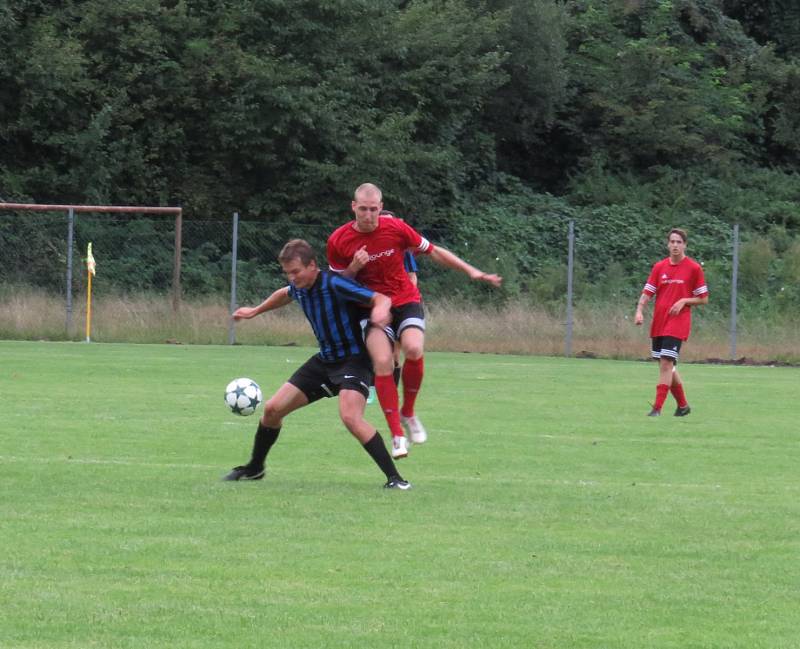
x: 606, y: 332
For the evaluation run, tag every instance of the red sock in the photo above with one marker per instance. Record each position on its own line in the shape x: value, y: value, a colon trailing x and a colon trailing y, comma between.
x: 388, y: 398
x: 413, y: 371
x: 677, y: 392
x: 662, y: 389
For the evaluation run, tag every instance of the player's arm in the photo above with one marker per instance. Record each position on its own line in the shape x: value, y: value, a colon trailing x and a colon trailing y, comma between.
x: 648, y: 291
x: 358, y: 262
x: 380, y: 305
x: 644, y: 298
x: 277, y: 300
x: 343, y: 267
x: 380, y: 315
x: 699, y: 294
x: 676, y: 308
x: 446, y: 258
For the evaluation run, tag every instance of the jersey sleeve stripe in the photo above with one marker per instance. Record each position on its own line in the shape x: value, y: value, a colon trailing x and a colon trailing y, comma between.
x: 649, y: 288
x: 424, y: 245
x: 701, y: 290
x: 349, y: 289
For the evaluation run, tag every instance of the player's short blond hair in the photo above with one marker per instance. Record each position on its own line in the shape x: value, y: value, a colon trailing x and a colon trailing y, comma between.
x: 368, y: 188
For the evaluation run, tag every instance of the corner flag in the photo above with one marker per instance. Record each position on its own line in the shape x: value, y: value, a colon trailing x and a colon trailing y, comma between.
x: 90, y: 265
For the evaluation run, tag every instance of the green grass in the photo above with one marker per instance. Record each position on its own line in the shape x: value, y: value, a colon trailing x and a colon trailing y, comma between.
x: 547, y: 510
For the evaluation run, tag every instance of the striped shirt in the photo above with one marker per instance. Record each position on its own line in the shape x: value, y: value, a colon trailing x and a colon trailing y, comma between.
x: 330, y: 307
x: 410, y: 263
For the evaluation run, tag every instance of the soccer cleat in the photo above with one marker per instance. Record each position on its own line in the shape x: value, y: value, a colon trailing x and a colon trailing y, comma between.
x: 245, y: 473
x: 396, y: 482
x: 416, y: 431
x: 683, y: 411
x: 654, y: 413
x: 399, y: 447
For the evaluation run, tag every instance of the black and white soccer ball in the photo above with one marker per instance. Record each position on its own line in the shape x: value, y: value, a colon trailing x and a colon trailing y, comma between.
x: 243, y: 396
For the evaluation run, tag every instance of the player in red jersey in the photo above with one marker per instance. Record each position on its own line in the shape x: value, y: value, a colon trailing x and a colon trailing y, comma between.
x: 371, y: 248
x: 410, y: 264
x: 678, y: 284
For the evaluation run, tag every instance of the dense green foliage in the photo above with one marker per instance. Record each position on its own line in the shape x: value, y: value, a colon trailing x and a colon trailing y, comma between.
x: 487, y: 122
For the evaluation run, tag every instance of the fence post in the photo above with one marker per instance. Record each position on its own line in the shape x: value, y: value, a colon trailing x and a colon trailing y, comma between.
x: 176, y: 263
x: 734, y: 281
x: 570, y: 266
x: 70, y: 236
x: 234, y: 253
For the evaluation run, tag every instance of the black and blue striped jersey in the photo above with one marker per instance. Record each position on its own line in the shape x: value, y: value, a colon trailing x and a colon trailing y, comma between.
x: 331, y: 308
x: 410, y: 263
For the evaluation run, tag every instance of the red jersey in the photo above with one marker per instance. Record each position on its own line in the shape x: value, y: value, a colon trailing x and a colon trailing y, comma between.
x: 669, y: 283
x: 385, y: 271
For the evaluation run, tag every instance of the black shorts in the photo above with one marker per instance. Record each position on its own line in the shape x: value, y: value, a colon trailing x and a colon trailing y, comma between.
x: 316, y: 379
x: 666, y: 347
x: 405, y: 316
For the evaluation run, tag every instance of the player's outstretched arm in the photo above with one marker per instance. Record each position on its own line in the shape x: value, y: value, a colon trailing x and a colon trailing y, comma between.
x: 446, y: 258
x: 275, y: 301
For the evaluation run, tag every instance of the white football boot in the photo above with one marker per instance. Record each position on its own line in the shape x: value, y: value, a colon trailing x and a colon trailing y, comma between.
x: 399, y: 447
x: 414, y: 429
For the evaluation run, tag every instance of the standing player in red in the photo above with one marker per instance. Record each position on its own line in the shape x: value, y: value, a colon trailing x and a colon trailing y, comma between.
x: 371, y: 248
x: 678, y: 284
x: 410, y: 264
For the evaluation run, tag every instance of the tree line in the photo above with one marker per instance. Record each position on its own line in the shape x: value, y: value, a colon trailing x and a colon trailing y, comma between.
x: 486, y: 122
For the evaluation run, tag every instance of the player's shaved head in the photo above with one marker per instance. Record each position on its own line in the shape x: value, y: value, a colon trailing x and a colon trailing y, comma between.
x: 368, y: 190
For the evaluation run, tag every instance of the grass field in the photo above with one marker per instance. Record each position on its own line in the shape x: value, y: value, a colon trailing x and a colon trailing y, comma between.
x: 547, y: 510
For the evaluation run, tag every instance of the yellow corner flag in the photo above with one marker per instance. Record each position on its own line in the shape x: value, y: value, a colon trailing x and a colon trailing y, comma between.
x: 90, y: 265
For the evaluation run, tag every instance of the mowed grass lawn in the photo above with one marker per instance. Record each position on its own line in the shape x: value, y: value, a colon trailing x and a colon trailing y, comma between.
x: 547, y: 510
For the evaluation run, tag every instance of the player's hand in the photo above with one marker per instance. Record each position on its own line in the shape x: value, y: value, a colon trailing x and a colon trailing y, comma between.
x: 638, y: 319
x: 676, y: 308
x: 243, y: 313
x: 494, y: 280
x: 360, y: 259
x: 380, y: 317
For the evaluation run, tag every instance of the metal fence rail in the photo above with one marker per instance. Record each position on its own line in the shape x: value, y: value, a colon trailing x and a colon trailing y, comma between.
x: 239, y: 253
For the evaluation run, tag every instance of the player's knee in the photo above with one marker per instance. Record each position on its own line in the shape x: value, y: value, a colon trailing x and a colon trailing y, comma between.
x: 414, y: 351
x: 271, y: 413
x: 382, y: 364
x: 351, y: 420
x: 412, y: 340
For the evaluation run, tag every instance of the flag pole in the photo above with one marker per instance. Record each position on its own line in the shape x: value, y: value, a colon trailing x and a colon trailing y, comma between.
x: 90, y: 267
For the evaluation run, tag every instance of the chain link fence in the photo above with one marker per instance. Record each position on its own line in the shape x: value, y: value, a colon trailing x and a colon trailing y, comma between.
x: 222, y: 263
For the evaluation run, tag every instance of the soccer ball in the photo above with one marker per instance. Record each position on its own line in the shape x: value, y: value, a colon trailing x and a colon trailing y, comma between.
x: 243, y: 396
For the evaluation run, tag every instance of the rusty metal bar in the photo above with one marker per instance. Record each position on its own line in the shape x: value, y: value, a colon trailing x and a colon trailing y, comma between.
x: 38, y: 207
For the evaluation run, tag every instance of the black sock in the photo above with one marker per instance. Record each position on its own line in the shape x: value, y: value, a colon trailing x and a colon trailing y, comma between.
x: 396, y: 374
x: 265, y: 438
x: 377, y: 451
